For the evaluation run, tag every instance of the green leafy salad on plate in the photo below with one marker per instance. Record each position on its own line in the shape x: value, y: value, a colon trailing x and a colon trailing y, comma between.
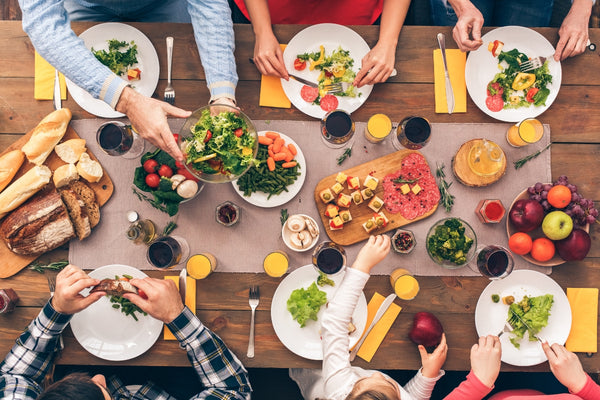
x: 534, y: 311
x: 116, y: 59
x: 304, y: 304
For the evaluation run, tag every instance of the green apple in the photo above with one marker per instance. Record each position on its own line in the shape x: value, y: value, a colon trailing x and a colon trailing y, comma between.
x: 557, y: 225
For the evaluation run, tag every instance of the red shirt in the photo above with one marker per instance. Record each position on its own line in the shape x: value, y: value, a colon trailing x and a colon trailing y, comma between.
x: 343, y: 12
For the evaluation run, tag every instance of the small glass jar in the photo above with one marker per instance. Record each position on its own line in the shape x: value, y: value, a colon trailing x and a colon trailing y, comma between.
x: 490, y: 211
x: 227, y: 213
x: 140, y: 230
x: 8, y: 300
x: 403, y: 241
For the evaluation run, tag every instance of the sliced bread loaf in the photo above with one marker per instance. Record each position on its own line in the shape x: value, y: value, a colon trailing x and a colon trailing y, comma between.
x: 88, y: 196
x: 77, y: 213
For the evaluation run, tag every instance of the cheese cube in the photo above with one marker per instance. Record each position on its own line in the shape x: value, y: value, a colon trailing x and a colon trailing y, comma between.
x: 367, y: 193
x: 344, y: 200
x: 326, y: 195
x: 416, y: 189
x: 371, y: 182
x: 133, y: 74
x: 337, y: 188
x: 375, y: 204
x: 369, y: 226
x: 353, y: 182
x: 356, y: 197
x: 340, y: 178
x: 345, y: 216
x: 331, y: 211
x: 336, y: 223
x: 405, y: 188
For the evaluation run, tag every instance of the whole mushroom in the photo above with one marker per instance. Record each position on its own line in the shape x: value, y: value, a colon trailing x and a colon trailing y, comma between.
x: 187, y: 189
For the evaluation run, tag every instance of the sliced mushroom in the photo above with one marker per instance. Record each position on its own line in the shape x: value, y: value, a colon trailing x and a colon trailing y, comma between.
x: 312, y: 228
x: 301, y: 240
x: 296, y: 223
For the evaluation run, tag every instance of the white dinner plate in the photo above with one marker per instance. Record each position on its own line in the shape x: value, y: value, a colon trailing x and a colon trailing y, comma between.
x: 490, y: 316
x: 97, y: 37
x: 106, y: 332
x: 306, y: 342
x: 482, y: 66
x: 261, y: 199
x: 308, y: 40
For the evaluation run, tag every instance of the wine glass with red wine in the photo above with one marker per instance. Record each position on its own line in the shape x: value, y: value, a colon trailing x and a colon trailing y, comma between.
x: 337, y: 128
x: 494, y: 262
x: 117, y: 139
x: 168, y: 251
x: 329, y: 258
x: 412, y: 133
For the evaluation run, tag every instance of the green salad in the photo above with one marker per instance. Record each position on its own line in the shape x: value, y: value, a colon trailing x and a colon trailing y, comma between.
x: 449, y: 242
x: 534, y: 311
x: 116, y: 59
x: 304, y: 304
x: 219, y: 144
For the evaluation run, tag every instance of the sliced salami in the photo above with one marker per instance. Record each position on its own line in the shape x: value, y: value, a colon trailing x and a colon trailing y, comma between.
x: 494, y: 103
x: 329, y: 102
x: 309, y: 94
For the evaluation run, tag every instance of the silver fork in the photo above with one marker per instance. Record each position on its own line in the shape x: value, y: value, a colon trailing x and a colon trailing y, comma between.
x: 532, y: 64
x: 336, y: 87
x: 169, y: 91
x: 253, y: 300
x: 507, y: 328
x: 52, y: 286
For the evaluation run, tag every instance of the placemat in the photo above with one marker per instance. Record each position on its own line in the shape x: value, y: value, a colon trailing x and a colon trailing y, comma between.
x: 242, y: 248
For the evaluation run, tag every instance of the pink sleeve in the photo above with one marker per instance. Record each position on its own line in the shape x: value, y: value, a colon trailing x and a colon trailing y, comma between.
x: 469, y: 389
x: 591, y: 390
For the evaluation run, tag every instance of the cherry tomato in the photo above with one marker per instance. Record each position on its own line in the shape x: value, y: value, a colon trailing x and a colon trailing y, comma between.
x: 299, y: 64
x: 187, y: 174
x: 142, y: 294
x: 179, y: 165
x: 208, y: 136
x: 165, y: 171
x: 176, y: 137
x: 150, y: 165
x: 238, y: 132
x: 152, y: 180
x: 530, y: 93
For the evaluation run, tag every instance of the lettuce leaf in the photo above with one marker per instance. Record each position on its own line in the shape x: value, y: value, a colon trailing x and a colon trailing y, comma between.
x: 534, y: 311
x: 304, y: 304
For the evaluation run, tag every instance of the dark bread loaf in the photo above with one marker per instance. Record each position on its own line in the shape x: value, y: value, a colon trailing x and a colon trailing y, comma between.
x: 40, y: 225
x: 88, y: 196
x: 77, y: 212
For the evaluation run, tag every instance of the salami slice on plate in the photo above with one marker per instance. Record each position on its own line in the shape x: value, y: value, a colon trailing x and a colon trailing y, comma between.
x: 494, y: 103
x: 309, y: 94
x: 329, y: 102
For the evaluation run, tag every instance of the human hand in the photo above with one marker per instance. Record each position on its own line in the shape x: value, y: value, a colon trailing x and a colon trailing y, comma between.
x: 149, y: 118
x: 467, y: 31
x: 162, y: 298
x: 268, y: 56
x: 432, y: 362
x: 377, y: 65
x: 573, y: 32
x: 69, y: 282
x: 485, y: 359
x: 375, y: 250
x: 565, y: 366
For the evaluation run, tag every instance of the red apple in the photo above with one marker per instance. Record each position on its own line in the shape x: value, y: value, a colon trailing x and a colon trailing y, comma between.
x: 526, y: 215
x: 575, y: 246
x: 426, y: 330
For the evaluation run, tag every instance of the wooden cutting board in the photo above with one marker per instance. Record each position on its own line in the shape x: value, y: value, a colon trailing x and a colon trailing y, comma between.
x: 353, y: 232
x: 13, y: 263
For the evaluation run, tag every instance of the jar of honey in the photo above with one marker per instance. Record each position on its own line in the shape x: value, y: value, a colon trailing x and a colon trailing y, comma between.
x: 490, y: 211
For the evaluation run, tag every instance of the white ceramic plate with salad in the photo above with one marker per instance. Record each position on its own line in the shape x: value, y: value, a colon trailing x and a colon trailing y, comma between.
x: 309, y: 40
x: 306, y: 342
x: 97, y: 37
x: 490, y: 316
x: 94, y: 327
x: 261, y: 199
x: 482, y: 66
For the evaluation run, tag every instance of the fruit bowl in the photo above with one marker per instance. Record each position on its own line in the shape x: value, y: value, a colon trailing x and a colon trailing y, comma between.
x: 536, y: 233
x: 432, y: 239
x: 219, y: 143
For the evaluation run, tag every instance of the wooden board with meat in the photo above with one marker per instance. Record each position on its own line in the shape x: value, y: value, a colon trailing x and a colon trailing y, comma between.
x: 376, y: 197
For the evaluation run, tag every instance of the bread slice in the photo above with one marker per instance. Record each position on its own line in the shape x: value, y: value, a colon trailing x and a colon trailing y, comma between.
x: 88, y: 196
x: 64, y: 175
x: 77, y: 213
x: 70, y: 150
x: 89, y: 169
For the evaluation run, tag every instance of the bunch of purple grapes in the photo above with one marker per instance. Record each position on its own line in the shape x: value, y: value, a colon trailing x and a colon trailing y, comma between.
x: 580, y: 209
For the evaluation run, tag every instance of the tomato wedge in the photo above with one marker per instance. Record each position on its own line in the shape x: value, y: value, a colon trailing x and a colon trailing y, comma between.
x: 299, y: 64
x: 238, y: 132
x: 530, y: 93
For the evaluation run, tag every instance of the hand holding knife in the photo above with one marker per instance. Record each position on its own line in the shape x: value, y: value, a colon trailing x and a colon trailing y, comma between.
x: 380, y: 312
x: 449, y: 94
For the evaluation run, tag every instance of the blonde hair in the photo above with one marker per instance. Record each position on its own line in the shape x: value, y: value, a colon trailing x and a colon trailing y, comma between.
x: 369, y: 394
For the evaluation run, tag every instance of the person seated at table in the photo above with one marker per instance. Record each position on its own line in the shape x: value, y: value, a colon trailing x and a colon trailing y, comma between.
x: 469, y: 16
x: 338, y: 379
x: 377, y: 64
x: 47, y: 23
x: 29, y: 361
x: 485, y: 367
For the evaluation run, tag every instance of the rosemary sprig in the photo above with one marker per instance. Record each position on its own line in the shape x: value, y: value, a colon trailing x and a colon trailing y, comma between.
x: 522, y: 161
x: 41, y: 268
x: 170, y: 227
x: 347, y: 153
x: 153, y: 202
x: 400, y: 179
x: 284, y: 216
x: 446, y: 198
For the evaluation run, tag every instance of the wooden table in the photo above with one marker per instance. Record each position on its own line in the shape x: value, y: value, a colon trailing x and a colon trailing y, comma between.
x: 222, y: 300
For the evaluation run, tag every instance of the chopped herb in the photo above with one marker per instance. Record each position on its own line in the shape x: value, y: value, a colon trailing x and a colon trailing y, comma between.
x: 446, y: 198
x: 284, y: 216
x: 41, y: 268
x: 522, y: 161
x: 347, y: 153
x: 170, y: 227
x: 400, y: 179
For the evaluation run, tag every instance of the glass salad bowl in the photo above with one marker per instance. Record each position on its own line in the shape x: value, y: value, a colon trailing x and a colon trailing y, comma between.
x: 446, y: 243
x: 219, y: 143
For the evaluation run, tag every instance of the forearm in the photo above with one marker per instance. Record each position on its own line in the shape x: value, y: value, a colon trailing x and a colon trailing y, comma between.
x: 469, y: 389
x: 260, y: 17
x: 459, y: 6
x: 420, y: 387
x: 392, y: 19
x: 213, y: 31
x: 590, y: 391
x: 582, y: 7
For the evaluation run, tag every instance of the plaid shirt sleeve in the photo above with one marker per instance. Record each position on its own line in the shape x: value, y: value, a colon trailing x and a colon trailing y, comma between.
x: 26, y: 365
x: 222, y: 374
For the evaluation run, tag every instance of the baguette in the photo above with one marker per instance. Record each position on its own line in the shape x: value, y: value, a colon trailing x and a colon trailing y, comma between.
x: 46, y: 136
x: 9, y: 165
x: 23, y: 188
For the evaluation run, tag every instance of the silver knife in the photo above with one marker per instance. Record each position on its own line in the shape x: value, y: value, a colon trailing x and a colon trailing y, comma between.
x: 182, y: 284
x: 382, y: 309
x: 524, y: 324
x: 302, y: 80
x: 56, y: 96
x: 449, y: 94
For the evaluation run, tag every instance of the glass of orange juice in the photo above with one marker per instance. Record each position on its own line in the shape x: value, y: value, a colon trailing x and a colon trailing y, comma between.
x: 404, y: 284
x: 199, y: 266
x: 378, y: 128
x: 526, y: 132
x: 276, y: 264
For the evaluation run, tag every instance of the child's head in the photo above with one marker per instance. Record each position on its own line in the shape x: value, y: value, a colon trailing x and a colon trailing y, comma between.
x: 375, y: 387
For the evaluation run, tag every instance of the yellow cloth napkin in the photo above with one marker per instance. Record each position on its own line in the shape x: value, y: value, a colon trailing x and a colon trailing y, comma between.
x: 44, y: 80
x: 584, y: 328
x: 271, y: 92
x: 456, y: 60
x: 190, y: 300
x: 375, y: 337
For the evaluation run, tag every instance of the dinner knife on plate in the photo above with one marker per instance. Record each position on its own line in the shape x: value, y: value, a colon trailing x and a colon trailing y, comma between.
x: 183, y: 284
x: 524, y: 324
x: 302, y: 80
x: 380, y: 311
x: 56, y: 95
x: 449, y: 94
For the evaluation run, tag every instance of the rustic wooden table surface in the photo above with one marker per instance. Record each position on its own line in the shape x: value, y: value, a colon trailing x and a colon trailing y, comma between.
x: 222, y: 300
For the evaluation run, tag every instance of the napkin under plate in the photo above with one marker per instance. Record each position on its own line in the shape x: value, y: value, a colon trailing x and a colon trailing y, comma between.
x: 377, y: 334
x: 44, y: 80
x: 190, y: 300
x: 584, y: 326
x: 456, y: 60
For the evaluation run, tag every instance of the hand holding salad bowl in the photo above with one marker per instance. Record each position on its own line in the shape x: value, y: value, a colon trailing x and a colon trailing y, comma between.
x: 219, y: 143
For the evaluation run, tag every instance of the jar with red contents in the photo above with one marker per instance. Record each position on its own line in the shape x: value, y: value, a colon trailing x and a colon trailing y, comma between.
x: 490, y: 211
x: 8, y: 300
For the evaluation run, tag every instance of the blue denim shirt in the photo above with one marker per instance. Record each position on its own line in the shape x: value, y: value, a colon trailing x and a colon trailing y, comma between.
x: 48, y: 25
